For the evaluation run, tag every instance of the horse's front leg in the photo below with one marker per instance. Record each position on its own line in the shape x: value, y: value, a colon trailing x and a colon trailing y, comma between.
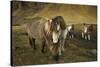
x: 86, y: 36
x: 59, y: 49
x: 55, y: 52
x: 82, y: 35
x: 63, y: 45
x: 56, y: 57
x: 72, y: 35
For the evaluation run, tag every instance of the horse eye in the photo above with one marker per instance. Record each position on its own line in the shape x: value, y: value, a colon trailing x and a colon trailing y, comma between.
x: 56, y: 22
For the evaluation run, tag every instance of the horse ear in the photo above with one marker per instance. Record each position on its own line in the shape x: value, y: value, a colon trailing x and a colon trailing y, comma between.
x: 50, y: 20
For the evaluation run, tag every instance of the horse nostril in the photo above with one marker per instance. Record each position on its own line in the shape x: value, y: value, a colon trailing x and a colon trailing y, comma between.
x: 55, y: 43
x: 57, y: 30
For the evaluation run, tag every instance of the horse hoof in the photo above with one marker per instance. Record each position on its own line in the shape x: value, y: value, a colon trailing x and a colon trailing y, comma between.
x: 43, y: 51
x: 56, y: 58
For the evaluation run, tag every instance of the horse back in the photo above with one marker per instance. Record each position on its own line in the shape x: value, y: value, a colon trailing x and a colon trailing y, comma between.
x: 35, y: 29
x: 90, y: 28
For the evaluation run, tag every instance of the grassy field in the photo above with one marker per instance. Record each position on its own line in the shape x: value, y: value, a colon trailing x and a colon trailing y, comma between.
x: 77, y: 49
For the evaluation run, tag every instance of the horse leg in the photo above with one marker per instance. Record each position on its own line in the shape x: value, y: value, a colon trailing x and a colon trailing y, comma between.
x: 69, y: 35
x: 85, y: 36
x: 63, y: 45
x: 88, y: 36
x: 60, y: 48
x: 56, y: 57
x: 43, y: 47
x: 82, y: 35
x: 32, y: 42
x: 72, y: 35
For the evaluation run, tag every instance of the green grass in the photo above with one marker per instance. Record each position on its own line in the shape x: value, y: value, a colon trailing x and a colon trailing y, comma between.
x: 78, y: 50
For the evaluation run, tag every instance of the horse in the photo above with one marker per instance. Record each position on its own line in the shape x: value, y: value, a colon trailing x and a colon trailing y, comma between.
x: 67, y: 32
x: 63, y: 37
x: 70, y: 31
x: 48, y: 32
x: 86, y: 31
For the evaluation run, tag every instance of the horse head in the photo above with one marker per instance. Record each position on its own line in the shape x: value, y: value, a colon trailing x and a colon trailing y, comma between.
x: 57, y: 25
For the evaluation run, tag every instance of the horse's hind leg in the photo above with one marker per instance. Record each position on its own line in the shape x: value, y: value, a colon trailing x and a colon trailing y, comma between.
x: 88, y: 36
x: 32, y: 42
x: 43, y: 47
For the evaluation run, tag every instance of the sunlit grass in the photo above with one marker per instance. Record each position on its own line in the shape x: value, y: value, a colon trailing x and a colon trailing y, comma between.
x: 23, y: 54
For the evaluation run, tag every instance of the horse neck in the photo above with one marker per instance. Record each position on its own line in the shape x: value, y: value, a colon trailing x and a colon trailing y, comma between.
x: 47, y: 27
x: 47, y: 34
x: 69, y: 28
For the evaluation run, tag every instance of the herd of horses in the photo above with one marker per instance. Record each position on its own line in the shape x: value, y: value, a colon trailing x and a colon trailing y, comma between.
x: 53, y: 33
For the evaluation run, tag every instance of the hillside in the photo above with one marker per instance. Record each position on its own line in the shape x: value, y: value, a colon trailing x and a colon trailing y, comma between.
x: 71, y: 13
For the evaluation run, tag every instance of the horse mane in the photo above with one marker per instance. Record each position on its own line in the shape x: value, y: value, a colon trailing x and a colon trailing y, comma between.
x: 60, y: 20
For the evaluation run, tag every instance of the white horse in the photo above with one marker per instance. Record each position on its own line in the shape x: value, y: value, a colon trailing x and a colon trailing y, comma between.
x: 86, y: 31
x: 70, y: 31
x: 62, y: 40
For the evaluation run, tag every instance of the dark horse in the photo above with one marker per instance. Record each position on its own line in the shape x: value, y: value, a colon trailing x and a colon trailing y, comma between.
x: 48, y: 32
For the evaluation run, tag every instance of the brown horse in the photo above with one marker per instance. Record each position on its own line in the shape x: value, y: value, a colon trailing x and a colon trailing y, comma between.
x: 48, y: 32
